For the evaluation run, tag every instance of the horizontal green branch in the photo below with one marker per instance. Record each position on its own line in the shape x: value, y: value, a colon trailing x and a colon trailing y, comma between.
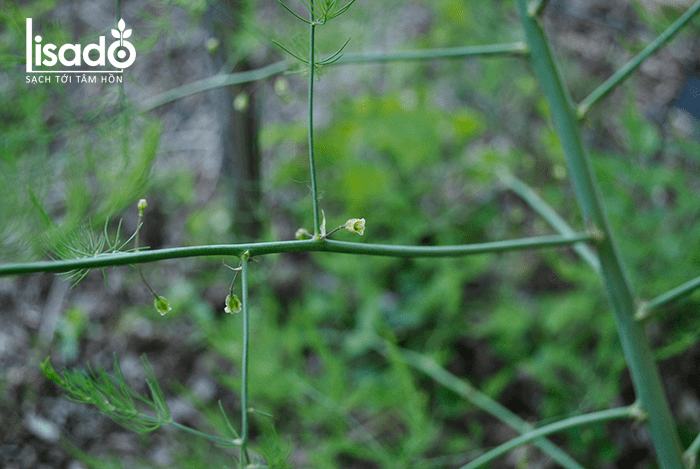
x: 238, y: 78
x: 485, y: 403
x: 632, y: 411
x: 606, y: 87
x: 217, y: 81
x: 680, y: 291
x: 311, y: 245
x: 511, y: 48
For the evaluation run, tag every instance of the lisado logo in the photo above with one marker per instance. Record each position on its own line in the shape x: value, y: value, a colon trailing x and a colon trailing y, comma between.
x: 70, y: 55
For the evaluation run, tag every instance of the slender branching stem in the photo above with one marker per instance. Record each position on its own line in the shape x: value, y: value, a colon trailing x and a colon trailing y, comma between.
x: 216, y: 81
x: 691, y: 454
x: 482, y: 401
x: 506, y: 49
x: 549, y: 214
x: 536, y: 7
x: 642, y: 365
x: 244, y: 360
x: 618, y: 77
x: 212, y: 438
x: 237, y: 271
x: 512, y: 49
x: 136, y: 250
x: 629, y: 412
x: 312, y: 162
x: 277, y: 247
x: 647, y: 308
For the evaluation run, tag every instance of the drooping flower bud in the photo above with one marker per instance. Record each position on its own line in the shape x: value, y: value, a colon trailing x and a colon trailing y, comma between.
x: 212, y: 45
x: 233, y: 304
x: 162, y: 305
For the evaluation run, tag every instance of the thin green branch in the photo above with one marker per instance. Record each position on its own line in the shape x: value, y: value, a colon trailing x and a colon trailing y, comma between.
x: 691, y: 454
x: 244, y: 360
x: 484, y: 402
x: 536, y: 7
x: 290, y: 52
x: 606, y: 87
x: 312, y: 161
x: 219, y: 441
x: 642, y: 365
x: 217, y: 81
x: 507, y: 49
x: 293, y: 13
x: 276, y: 247
x: 647, y: 308
x: 526, y: 193
x: 577, y: 421
x: 335, y: 56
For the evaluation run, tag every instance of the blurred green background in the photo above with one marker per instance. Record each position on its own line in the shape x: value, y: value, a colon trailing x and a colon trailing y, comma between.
x: 414, y: 149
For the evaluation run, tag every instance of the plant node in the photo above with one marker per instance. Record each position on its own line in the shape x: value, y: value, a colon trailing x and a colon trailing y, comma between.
x: 638, y: 413
x: 597, y: 235
x: 643, y: 312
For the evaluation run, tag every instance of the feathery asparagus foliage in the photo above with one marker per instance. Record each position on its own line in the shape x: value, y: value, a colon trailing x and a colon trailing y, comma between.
x: 85, y: 244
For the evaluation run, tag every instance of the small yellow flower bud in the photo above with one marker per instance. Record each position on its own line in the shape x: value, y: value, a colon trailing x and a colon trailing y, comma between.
x: 356, y: 225
x: 142, y: 205
x: 233, y: 304
x: 162, y: 305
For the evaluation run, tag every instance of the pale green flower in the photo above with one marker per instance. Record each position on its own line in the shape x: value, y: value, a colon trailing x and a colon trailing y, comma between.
x: 302, y: 234
x: 212, y: 45
x: 241, y: 102
x: 356, y: 225
x: 142, y: 205
x: 233, y: 304
x: 162, y: 305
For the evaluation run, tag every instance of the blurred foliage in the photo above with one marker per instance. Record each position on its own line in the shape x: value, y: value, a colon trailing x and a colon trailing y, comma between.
x: 414, y: 150
x: 62, y: 162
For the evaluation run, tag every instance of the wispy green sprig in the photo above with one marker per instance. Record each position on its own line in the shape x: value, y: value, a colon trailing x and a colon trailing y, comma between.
x: 85, y: 244
x: 334, y: 57
x: 112, y: 396
x: 322, y: 11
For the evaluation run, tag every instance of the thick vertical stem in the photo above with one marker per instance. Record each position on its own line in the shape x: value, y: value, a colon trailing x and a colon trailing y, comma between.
x: 312, y: 164
x: 635, y: 344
